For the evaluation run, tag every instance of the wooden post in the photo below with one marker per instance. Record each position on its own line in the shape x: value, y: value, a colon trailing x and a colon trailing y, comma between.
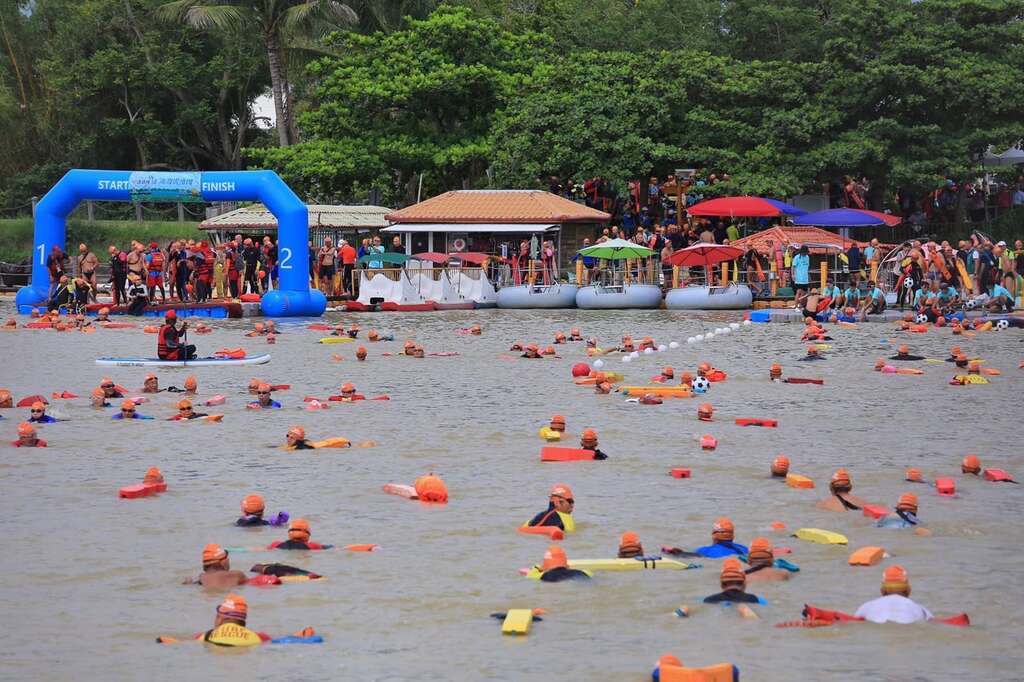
x: 675, y: 276
x: 531, y: 275
x: 874, y: 271
x: 824, y: 274
x: 774, y: 284
x: 725, y: 272
x: 138, y: 211
x: 579, y: 271
x: 181, y: 212
x: 736, y: 273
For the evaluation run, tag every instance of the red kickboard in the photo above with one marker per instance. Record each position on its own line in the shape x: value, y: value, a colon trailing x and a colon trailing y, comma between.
x: 998, y: 475
x: 131, y: 492
x: 770, y: 423
x: 552, y: 454
x: 945, y: 486
x: 263, y: 580
x: 679, y: 472
x: 552, y: 532
x: 875, y: 511
x: 798, y: 380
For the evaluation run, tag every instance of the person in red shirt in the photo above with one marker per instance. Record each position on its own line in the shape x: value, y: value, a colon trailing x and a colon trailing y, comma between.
x: 27, y: 437
x: 347, y: 254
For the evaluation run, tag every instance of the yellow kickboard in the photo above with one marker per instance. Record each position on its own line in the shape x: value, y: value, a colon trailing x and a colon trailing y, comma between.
x: 517, y: 622
x: 660, y: 391
x: 971, y: 379
x: 627, y: 564
x: 822, y: 537
x: 336, y: 339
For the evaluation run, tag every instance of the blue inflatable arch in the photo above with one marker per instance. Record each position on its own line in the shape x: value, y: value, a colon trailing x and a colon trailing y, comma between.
x: 293, y: 298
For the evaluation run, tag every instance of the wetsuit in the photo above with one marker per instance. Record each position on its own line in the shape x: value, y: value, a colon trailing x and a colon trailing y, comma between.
x: 118, y: 274
x: 721, y: 549
x: 62, y: 297
x: 45, y: 419
x: 168, y: 346
x: 549, y: 517
x: 281, y: 570
x: 256, y: 405
x: 120, y: 415
x: 561, y: 573
x: 907, y: 358
x: 302, y: 444
x: 251, y: 520
x: 733, y: 595
x: 297, y: 544
x: 597, y: 453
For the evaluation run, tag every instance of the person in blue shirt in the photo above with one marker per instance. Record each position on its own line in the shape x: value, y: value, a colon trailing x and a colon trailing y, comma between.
x: 37, y: 414
x: 874, y: 300
x: 375, y: 247
x: 948, y: 296
x: 920, y: 299
x: 801, y: 270
x: 834, y: 293
x: 1000, y: 299
x: 851, y: 296
x: 263, y: 400
x: 128, y: 412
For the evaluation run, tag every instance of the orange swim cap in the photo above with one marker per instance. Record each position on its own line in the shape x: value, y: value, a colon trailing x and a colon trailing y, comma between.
x: 184, y: 404
x: 685, y: 379
x: 907, y: 503
x: 971, y: 464
x: 153, y: 475
x: 630, y: 546
x: 668, y: 372
x: 903, y: 350
x: 703, y: 368
x: 895, y: 580
x: 732, y: 573
x: 104, y: 311
x: 234, y: 606
x: 26, y: 429
x: 589, y: 437
x: 554, y: 557
x: 780, y: 466
x: 775, y: 370
x: 914, y: 475
x: 297, y: 432
x: 361, y: 353
x: 409, y: 344
x: 974, y: 367
x: 559, y: 336
x: 879, y: 364
x: 190, y: 383
x: 704, y: 412
x: 760, y: 553
x: 348, y: 388
x: 841, y: 481
x: 533, y: 347
x: 263, y: 388
x: 252, y: 504
x: 127, y: 405
x: 562, y: 490
x: 299, y: 530
x: 38, y: 406
x: 98, y: 393
x: 723, y: 529
x: 257, y: 326
x: 669, y: 659
x: 603, y: 387
x: 955, y: 351
x: 430, y: 488
x: 474, y: 328
x: 556, y: 421
x: 550, y: 350
x: 213, y: 553
x: 150, y: 376
x: 372, y: 335
x: 254, y: 383
x: 812, y: 350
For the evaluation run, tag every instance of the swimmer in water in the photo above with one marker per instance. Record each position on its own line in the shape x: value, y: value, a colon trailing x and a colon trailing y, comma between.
x: 555, y: 567
x: 667, y: 374
x: 895, y: 605
x: 733, y: 582
x: 559, y: 512
x: 419, y: 352
x: 229, y: 625
x: 904, y: 516
x: 361, y: 353
x: 588, y: 441
x: 98, y: 398
x: 252, y: 514
x: 555, y: 430
x: 263, y: 400
x: 298, y: 537
x: 191, y: 386
x: 603, y: 387
x: 186, y: 411
x: 296, y: 439
x: 532, y: 352
x: 476, y: 330
x: 841, y: 499
x: 560, y: 338
x: 353, y: 331
x: 629, y: 546
x: 722, y: 535
x: 27, y: 437
x: 37, y: 414
x: 217, y: 573
x: 971, y: 465
x: 812, y: 354
x: 110, y: 388
x: 780, y: 467
x: 408, y: 348
x: 761, y: 559
x: 151, y: 384
x: 348, y: 394
x: 574, y: 334
x: 903, y: 354
x: 257, y: 330
x: 6, y: 399
x: 627, y: 344
x: 128, y: 411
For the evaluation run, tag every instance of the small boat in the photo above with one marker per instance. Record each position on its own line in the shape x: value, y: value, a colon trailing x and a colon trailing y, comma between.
x: 195, y: 362
x: 538, y: 296
x: 393, y: 289
x: 731, y: 297
x: 602, y: 297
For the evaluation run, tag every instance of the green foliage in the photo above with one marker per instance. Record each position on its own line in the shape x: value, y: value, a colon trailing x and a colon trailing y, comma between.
x: 16, y: 244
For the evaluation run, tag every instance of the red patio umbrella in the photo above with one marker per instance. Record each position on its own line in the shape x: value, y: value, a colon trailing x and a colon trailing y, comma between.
x: 705, y: 255
x: 741, y: 207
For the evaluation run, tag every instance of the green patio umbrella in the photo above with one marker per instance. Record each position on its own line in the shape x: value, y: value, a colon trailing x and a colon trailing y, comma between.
x: 616, y: 249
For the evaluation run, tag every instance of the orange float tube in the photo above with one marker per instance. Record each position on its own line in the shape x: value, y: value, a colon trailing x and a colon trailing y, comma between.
x: 553, y: 454
x: 552, y: 532
x: 770, y: 423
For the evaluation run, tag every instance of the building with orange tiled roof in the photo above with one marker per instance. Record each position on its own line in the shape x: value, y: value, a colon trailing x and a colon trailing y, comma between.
x: 494, y: 221
x: 817, y: 240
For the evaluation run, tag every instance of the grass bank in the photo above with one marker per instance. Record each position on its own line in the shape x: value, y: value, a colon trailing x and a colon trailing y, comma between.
x: 16, y: 235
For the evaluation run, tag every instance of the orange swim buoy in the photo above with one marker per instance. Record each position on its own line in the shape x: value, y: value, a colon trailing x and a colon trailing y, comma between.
x: 431, y: 488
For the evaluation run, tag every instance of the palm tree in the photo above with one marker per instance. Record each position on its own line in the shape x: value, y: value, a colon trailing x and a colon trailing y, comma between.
x: 276, y: 21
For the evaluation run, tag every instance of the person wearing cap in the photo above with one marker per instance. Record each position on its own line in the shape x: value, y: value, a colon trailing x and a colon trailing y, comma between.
x: 555, y: 567
x: 603, y: 388
x: 555, y: 430
x: 361, y: 353
x: 812, y: 354
x: 128, y: 411
x: 63, y: 295
x: 186, y: 411
x: 574, y: 334
x: 895, y: 605
x: 296, y: 439
x: 841, y: 500
x: 190, y: 386
x: 629, y: 545
x: 904, y: 516
x: 1000, y: 299
x: 151, y: 384
x: 263, y: 400
x: 532, y: 351
x: 229, y: 625
x: 948, y: 296
x: 27, y: 437
x: 37, y: 414
x: 874, y: 301
x: 667, y: 374
x: 733, y: 581
x: 559, y: 512
x: 762, y: 560
x: 560, y: 338
x: 138, y: 296
x: 348, y: 394
x: 780, y: 467
x: 168, y: 343
x: 258, y: 329
x: 408, y: 348
x: 588, y: 441
x: 903, y: 354
x: 298, y: 538
x: 217, y: 573
x: 98, y: 398
x: 971, y: 464
x: 722, y: 544
x: 252, y: 513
